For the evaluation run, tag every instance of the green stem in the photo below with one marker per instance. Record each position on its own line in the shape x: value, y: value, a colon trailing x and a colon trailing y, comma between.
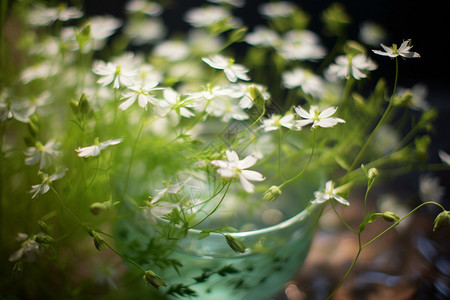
x: 215, y: 208
x: 396, y: 223
x: 306, y: 166
x: 133, y: 150
x: 342, y: 220
x: 349, y: 269
x: 65, y: 207
x: 383, y: 118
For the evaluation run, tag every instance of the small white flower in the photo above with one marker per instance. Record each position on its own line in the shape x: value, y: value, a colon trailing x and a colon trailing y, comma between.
x: 143, y: 6
x: 403, y: 51
x: 232, y: 71
x: 236, y: 3
x: 276, y: 9
x: 44, y: 187
x: 94, y: 150
x: 103, y: 27
x: 371, y: 33
x: 276, y: 121
x: 43, y: 16
x: 113, y: 72
x: 28, y: 247
x: 418, y: 95
x: 348, y: 65
x: 172, y: 50
x: 263, y: 36
x: 144, y: 31
x: 301, y: 45
x: 430, y: 188
x: 444, y: 156
x: 209, y: 15
x: 310, y: 83
x: 172, y: 101
x: 142, y: 93
x: 318, y: 118
x: 19, y: 111
x: 330, y: 193
x: 235, y: 168
x: 43, y: 154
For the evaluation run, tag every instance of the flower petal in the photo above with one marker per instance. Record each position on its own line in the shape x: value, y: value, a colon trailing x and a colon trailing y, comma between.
x: 252, y: 175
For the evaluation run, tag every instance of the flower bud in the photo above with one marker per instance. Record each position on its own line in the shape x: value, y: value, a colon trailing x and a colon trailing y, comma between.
x: 272, y: 194
x: 83, y: 104
x: 372, y: 173
x: 238, y: 35
x: 256, y: 96
x: 390, y: 216
x: 442, y: 220
x: 43, y: 239
x: 97, y: 208
x: 99, y: 242
x: 74, y: 106
x: 151, y: 278
x: 235, y: 244
x: 44, y: 227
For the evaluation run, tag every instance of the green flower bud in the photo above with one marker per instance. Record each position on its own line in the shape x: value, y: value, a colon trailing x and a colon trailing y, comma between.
x: 44, y: 227
x: 83, y: 104
x: 354, y: 48
x: 390, y: 216
x: 372, y: 173
x: 43, y: 239
x: 442, y: 220
x: 272, y: 194
x: 238, y: 35
x: 99, y: 242
x: 256, y: 96
x: 97, y: 208
x: 74, y: 106
x: 151, y: 278
x: 235, y: 244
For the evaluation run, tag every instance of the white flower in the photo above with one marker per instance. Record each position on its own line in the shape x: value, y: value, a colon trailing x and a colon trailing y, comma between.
x: 44, y: 187
x: 172, y: 101
x: 330, y: 193
x: 235, y: 168
x: 28, y: 247
x: 430, y: 188
x: 237, y: 3
x: 209, y: 15
x: 371, y: 33
x: 144, y: 31
x: 348, y: 65
x: 42, y: 153
x: 444, y: 156
x: 276, y: 9
x: 276, y: 121
x: 301, y: 45
x: 113, y: 72
x: 232, y: 71
x: 262, y: 36
x: 143, y: 6
x: 318, y: 118
x: 172, y: 50
x: 142, y: 93
x: 403, y: 51
x: 310, y: 83
x: 19, y: 111
x: 43, y: 16
x: 94, y: 150
x: 418, y: 94
x: 101, y: 28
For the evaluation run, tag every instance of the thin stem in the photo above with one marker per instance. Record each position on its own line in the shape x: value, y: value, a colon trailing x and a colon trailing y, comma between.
x: 349, y: 269
x: 342, y: 220
x: 215, y: 208
x: 123, y: 256
x: 306, y: 166
x: 396, y: 223
x: 65, y: 207
x: 385, y: 114
x: 133, y: 150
